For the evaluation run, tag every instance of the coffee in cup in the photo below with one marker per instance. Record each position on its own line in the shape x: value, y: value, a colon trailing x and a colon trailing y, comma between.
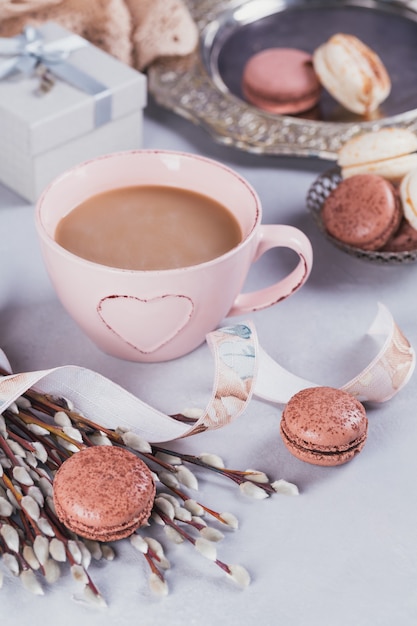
x: 149, y: 228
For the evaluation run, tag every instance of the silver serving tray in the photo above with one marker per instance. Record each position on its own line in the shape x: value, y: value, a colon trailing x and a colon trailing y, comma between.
x: 204, y: 87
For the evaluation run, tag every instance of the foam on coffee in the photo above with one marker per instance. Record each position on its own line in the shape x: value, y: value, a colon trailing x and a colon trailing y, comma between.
x: 149, y: 227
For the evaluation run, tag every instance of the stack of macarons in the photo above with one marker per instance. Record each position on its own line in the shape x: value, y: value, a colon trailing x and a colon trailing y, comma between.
x: 289, y: 81
x: 374, y: 207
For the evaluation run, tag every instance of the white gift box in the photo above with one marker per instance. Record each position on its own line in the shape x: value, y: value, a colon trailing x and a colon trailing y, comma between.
x: 43, y: 135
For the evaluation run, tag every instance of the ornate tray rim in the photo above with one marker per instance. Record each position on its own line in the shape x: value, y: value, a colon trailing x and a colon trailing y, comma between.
x: 184, y: 85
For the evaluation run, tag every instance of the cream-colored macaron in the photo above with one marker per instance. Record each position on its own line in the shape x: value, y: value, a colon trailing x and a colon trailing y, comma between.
x: 408, y: 195
x: 352, y: 73
x: 389, y: 152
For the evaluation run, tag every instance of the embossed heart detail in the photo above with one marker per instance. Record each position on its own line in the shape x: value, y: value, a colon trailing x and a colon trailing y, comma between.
x: 146, y: 325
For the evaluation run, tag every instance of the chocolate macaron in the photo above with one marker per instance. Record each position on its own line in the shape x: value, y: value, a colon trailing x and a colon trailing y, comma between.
x: 103, y: 493
x: 281, y: 81
x: 363, y: 211
x: 404, y: 240
x: 324, y: 426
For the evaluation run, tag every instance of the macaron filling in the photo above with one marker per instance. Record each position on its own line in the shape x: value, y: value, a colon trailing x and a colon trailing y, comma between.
x: 274, y: 105
x: 108, y: 533
x: 331, y: 451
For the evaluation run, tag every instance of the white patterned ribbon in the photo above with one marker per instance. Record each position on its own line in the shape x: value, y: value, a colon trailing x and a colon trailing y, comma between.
x: 381, y: 379
x: 242, y: 369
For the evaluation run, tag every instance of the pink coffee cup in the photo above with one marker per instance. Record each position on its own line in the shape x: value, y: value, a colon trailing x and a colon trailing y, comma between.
x: 157, y: 315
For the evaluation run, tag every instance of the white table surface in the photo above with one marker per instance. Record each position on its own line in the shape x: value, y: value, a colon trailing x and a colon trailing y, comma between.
x: 344, y: 551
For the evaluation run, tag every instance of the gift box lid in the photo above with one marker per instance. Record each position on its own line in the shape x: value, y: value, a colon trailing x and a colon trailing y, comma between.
x: 33, y: 123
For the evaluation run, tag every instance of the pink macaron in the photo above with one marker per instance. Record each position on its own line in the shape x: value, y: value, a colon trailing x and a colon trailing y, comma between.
x: 324, y: 426
x: 281, y: 81
x: 103, y: 493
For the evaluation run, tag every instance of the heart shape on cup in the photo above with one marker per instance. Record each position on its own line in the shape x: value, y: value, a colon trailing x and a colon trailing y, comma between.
x: 146, y: 324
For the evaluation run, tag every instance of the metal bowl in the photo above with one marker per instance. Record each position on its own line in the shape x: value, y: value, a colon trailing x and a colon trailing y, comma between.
x: 316, y: 196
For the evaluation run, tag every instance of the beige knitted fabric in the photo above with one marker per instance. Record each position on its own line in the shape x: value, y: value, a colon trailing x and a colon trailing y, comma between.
x: 13, y: 8
x: 105, y: 23
x: 135, y: 31
x: 161, y: 28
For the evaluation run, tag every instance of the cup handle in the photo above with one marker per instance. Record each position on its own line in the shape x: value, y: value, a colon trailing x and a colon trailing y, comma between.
x: 277, y: 236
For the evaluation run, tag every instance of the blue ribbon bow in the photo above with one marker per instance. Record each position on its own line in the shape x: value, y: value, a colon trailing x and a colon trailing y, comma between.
x: 28, y: 49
